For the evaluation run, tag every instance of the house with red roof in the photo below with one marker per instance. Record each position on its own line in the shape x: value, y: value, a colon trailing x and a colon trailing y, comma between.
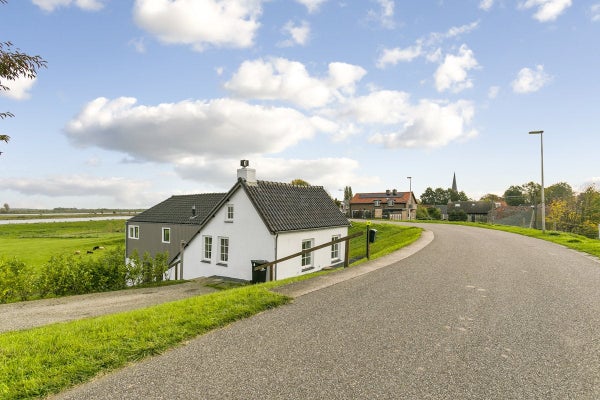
x: 390, y: 204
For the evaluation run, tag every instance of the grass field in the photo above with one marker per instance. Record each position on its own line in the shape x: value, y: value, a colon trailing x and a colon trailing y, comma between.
x: 35, y: 243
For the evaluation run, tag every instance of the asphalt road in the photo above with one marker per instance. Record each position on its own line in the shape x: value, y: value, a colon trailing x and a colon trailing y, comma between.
x: 477, y: 314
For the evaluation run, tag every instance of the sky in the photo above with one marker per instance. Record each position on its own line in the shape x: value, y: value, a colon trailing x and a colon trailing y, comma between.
x: 144, y: 99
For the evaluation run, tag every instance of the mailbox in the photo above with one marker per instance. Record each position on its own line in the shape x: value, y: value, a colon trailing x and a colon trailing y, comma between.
x: 372, y: 235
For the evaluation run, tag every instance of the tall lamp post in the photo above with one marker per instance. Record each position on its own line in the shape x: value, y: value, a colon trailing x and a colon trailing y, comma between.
x: 541, y: 133
x: 409, y: 197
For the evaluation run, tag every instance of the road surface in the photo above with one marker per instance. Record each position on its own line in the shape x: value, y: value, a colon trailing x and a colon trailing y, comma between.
x: 477, y: 314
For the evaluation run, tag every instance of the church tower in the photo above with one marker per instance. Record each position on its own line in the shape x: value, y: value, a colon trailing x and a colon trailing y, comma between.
x: 454, y: 187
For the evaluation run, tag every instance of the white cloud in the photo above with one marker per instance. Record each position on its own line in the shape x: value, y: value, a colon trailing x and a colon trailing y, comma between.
x: 529, y: 80
x: 312, y: 5
x: 138, y: 44
x: 327, y: 172
x: 547, y: 10
x: 282, y: 79
x: 452, y: 74
x: 18, y: 88
x: 427, y: 46
x: 171, y: 132
x: 431, y: 124
x: 595, y: 12
x: 299, y: 34
x: 51, y: 5
x: 124, y: 191
x: 486, y: 5
x: 493, y: 92
x: 396, y: 55
x: 385, y: 15
x: 200, y: 23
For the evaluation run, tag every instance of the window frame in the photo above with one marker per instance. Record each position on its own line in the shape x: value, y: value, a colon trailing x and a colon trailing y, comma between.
x: 229, y: 213
x: 307, y: 259
x: 166, y: 230
x: 335, y: 248
x: 224, y: 245
x: 207, y: 248
x: 133, y: 232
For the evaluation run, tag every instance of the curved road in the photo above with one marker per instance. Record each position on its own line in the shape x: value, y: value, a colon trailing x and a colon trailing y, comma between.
x: 477, y: 314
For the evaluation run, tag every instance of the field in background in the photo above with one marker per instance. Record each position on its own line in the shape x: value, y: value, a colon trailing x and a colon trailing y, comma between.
x: 35, y: 243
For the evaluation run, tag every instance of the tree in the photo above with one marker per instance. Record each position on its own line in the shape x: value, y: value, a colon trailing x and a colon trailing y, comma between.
x: 494, y: 198
x: 558, y: 191
x: 13, y: 65
x: 347, y: 194
x: 442, y: 196
x: 300, y: 182
x: 457, y: 215
x: 6, y: 207
x: 532, y: 192
x: 514, y: 196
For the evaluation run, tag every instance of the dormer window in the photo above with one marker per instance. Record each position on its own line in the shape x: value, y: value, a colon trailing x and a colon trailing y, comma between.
x: 377, y: 203
x: 390, y: 202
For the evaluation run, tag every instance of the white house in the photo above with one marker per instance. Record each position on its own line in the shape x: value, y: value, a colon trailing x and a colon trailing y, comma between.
x: 260, y: 220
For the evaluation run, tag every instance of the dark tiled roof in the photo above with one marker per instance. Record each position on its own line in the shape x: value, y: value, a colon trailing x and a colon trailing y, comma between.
x: 178, y: 209
x: 471, y: 207
x: 286, y: 207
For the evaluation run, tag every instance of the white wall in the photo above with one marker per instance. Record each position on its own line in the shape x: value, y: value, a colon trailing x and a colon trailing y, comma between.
x: 249, y: 239
x: 291, y: 242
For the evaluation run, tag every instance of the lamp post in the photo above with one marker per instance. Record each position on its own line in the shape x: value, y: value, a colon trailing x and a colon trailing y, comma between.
x: 409, y: 197
x: 541, y: 133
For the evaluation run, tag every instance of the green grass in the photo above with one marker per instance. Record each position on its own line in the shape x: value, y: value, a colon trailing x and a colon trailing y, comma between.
x: 35, y: 243
x: 46, y: 360
x: 390, y: 237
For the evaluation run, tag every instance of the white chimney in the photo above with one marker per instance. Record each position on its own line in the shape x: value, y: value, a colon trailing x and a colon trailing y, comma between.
x: 247, y: 174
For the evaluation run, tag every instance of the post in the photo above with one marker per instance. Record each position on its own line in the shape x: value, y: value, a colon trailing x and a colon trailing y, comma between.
x: 368, y: 242
x: 409, y: 197
x: 541, y: 133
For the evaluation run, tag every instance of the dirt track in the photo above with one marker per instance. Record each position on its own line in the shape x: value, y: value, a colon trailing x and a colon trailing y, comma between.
x: 30, y: 314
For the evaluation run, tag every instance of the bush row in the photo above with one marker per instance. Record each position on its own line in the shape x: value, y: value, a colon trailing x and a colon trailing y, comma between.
x: 65, y: 275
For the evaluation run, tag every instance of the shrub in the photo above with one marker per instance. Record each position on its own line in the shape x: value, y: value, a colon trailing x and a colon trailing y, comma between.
x: 422, y: 213
x: 457, y: 215
x: 434, y: 213
x: 15, y: 281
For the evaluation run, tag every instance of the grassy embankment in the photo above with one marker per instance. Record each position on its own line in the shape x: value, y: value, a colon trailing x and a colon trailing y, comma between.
x: 46, y: 360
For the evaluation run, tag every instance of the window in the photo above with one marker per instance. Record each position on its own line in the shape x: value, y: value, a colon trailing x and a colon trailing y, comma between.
x: 134, y: 232
x: 223, y: 250
x: 390, y: 202
x: 307, y: 257
x: 377, y: 203
x: 166, y: 235
x: 335, y: 248
x: 207, y: 251
x: 229, y: 213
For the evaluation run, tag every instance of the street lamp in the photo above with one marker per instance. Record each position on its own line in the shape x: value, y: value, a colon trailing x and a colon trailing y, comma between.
x: 409, y: 197
x: 541, y: 133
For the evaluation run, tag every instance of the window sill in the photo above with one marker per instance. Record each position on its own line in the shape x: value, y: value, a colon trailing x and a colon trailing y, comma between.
x: 229, y: 221
x: 222, y: 264
x: 307, y: 269
x: 206, y: 261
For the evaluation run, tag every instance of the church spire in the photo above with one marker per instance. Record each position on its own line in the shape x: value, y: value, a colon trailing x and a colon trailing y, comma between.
x: 454, y: 187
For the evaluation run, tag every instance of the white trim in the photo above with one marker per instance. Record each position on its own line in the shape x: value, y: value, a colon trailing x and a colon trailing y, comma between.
x: 163, y: 231
x: 210, y: 251
x: 134, y: 232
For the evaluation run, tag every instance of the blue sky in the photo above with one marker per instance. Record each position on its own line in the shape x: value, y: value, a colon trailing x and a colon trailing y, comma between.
x: 149, y: 98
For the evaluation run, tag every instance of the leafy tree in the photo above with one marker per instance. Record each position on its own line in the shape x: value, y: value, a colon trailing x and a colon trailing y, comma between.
x: 13, y: 65
x: 532, y: 192
x: 300, y: 182
x: 347, y: 193
x: 434, y: 213
x: 6, y: 207
x: 442, y: 196
x: 558, y: 191
x: 514, y: 196
x: 494, y: 198
x: 457, y: 215
x: 422, y: 213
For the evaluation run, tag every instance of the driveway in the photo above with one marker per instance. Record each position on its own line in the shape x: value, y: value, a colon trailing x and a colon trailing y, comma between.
x: 477, y: 314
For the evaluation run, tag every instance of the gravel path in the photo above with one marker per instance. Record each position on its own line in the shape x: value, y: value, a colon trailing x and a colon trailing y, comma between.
x: 30, y: 314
